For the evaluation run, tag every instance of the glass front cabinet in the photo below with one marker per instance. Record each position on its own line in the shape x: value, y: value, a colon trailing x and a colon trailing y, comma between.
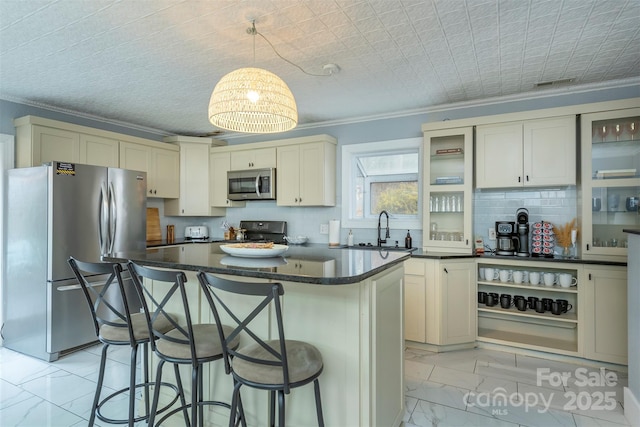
x: 610, y: 182
x: 447, y: 219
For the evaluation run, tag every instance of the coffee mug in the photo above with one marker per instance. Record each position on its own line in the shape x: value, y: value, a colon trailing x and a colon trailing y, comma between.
x: 532, y: 302
x: 556, y: 308
x: 565, y: 305
x: 566, y: 280
x: 549, y: 279
x: 505, y: 300
x: 490, y: 274
x: 482, y: 297
x: 534, y: 277
x: 521, y: 304
x: 481, y: 273
x: 492, y: 299
x: 518, y: 276
x: 596, y: 204
x: 613, y: 201
x: 505, y: 275
x: 539, y: 306
x: 546, y: 303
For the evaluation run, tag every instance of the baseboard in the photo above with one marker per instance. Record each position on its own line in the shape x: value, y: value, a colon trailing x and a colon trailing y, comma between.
x: 631, y: 407
x: 439, y: 348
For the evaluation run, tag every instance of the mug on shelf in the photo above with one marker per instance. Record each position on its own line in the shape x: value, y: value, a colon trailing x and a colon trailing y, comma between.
x: 549, y: 279
x: 482, y: 297
x: 534, y: 277
x: 481, y: 273
x: 492, y: 299
x: 539, y: 307
x: 546, y: 302
x: 566, y: 280
x: 518, y: 276
x: 556, y: 308
x: 596, y: 204
x: 505, y: 275
x: 533, y: 301
x: 505, y: 300
x: 521, y: 303
x: 490, y: 274
x: 566, y: 306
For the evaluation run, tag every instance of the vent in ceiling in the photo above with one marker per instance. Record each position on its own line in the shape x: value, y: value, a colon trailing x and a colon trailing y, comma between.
x: 553, y: 83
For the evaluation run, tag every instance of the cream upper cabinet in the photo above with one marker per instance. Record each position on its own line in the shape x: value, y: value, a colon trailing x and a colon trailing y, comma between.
x: 219, y: 165
x: 161, y: 164
x: 605, y: 299
x: 447, y: 186
x: 258, y: 158
x: 37, y: 144
x: 306, y: 174
x: 610, y: 182
x: 100, y: 151
x: 532, y: 153
x: 195, y: 180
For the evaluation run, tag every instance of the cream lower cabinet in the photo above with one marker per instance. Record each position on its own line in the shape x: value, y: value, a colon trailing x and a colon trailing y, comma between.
x: 605, y: 299
x: 160, y: 161
x: 440, y: 303
x: 195, y: 179
x: 306, y: 174
x: 41, y: 141
x: 532, y: 153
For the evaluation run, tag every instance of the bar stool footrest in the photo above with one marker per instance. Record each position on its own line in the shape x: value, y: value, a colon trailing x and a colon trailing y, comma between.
x: 147, y: 386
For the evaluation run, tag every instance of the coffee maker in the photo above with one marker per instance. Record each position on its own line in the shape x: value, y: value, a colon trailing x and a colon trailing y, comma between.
x: 506, y: 238
x: 522, y: 219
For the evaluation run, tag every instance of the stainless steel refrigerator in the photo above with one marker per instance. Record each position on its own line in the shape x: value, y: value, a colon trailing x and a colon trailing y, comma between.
x: 53, y: 212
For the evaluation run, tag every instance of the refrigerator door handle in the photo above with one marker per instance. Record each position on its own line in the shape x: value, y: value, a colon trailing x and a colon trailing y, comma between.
x: 113, y: 217
x: 102, y: 220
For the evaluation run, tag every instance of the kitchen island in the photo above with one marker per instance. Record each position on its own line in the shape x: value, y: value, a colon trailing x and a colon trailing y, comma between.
x: 346, y: 302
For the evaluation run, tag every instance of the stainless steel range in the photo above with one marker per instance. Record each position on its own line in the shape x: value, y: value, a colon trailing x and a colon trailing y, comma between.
x: 272, y: 231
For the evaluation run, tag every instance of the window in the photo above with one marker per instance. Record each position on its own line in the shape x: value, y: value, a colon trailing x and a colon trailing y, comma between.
x: 382, y: 176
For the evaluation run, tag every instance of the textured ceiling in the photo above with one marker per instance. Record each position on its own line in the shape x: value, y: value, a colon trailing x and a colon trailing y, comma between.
x: 154, y: 63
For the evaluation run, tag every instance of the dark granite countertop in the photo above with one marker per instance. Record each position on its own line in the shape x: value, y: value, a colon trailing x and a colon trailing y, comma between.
x: 631, y: 230
x: 312, y: 263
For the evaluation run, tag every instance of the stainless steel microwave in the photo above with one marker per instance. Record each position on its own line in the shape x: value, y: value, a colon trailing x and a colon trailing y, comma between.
x: 251, y: 184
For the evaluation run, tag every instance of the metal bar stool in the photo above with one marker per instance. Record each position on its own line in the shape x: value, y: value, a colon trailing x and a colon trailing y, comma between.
x: 275, y: 365
x: 115, y: 325
x: 185, y: 344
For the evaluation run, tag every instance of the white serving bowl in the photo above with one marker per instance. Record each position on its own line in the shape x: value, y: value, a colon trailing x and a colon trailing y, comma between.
x: 296, y: 240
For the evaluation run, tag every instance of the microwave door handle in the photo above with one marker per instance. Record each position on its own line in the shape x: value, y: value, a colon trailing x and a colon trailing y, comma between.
x: 258, y: 186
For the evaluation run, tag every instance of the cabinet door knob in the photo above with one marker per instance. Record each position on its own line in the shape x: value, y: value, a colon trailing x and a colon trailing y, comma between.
x: 527, y: 178
x: 519, y: 180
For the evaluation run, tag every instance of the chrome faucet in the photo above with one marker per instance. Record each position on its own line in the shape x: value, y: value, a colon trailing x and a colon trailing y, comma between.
x: 387, y: 235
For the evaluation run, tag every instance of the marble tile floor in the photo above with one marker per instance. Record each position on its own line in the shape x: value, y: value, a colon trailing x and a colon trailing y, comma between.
x: 477, y: 387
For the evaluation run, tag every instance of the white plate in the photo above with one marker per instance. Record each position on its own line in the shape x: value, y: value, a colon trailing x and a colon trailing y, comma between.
x: 234, y: 261
x: 255, y: 252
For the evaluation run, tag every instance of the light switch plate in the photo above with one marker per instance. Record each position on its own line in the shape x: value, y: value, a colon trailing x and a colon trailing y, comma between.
x: 324, y: 228
x: 492, y: 234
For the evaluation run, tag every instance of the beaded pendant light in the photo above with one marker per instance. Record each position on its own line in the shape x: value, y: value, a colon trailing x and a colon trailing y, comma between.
x: 253, y: 100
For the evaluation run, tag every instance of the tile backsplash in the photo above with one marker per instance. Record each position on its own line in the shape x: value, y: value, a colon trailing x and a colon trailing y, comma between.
x: 558, y: 206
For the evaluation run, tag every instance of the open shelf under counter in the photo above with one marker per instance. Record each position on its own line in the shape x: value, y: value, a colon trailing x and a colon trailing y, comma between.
x: 531, y: 342
x: 554, y: 288
x: 570, y: 317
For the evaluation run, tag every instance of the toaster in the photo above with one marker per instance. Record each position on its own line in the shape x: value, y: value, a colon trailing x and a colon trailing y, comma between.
x: 196, y: 232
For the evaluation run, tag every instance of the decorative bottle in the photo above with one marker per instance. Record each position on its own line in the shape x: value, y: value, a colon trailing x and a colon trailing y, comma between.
x: 408, y: 240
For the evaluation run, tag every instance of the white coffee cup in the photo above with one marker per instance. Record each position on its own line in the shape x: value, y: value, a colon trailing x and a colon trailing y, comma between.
x: 549, y: 279
x: 505, y: 275
x: 481, y: 273
x: 518, y: 276
x: 534, y: 277
x: 566, y: 280
x: 490, y: 274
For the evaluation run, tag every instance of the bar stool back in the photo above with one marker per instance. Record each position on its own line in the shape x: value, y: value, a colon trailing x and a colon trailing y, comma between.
x: 187, y: 343
x: 276, y: 365
x: 115, y: 325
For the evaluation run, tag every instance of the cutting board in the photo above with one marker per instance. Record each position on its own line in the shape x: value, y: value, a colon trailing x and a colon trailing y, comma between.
x: 153, y: 225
